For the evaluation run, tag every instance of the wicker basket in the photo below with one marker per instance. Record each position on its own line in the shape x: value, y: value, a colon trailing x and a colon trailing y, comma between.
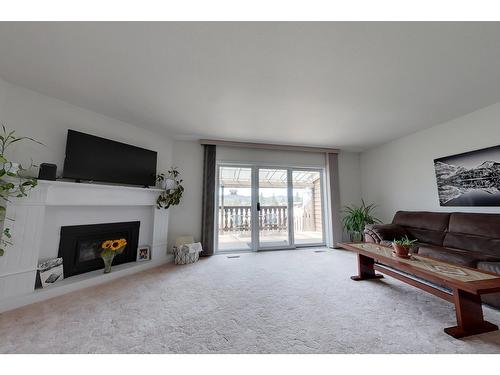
x: 187, y: 253
x: 181, y: 257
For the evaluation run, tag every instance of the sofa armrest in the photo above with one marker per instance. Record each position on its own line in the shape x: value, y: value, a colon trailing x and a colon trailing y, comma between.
x: 383, y: 232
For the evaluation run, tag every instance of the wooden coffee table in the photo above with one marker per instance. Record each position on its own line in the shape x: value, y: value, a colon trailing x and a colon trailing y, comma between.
x: 462, y: 286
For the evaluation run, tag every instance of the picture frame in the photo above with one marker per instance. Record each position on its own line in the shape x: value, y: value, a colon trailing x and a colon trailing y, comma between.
x: 143, y: 253
x: 49, y: 272
x: 469, y: 178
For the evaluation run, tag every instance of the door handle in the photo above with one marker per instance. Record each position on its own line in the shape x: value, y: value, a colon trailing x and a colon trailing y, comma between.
x: 258, y: 206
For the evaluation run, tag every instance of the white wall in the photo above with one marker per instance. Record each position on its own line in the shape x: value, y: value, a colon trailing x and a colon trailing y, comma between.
x: 188, y: 156
x: 185, y: 219
x: 400, y: 175
x: 349, y: 178
x: 47, y: 120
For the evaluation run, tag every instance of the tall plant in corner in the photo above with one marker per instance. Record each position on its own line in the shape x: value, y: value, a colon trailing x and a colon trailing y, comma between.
x: 13, y: 182
x: 356, y: 218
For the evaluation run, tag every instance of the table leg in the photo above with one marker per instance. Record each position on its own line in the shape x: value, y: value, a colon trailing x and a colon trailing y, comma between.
x: 469, y: 313
x: 365, y: 269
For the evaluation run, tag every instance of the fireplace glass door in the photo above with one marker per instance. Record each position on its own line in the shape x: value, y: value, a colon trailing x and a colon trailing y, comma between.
x: 80, y: 245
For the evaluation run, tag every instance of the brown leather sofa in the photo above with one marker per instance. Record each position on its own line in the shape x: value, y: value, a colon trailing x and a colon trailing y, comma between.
x: 469, y: 239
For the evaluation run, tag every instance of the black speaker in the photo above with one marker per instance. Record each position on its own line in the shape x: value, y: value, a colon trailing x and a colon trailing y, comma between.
x: 47, y: 172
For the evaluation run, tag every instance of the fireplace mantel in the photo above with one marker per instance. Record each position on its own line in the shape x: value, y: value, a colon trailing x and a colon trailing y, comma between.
x: 32, y: 215
x: 63, y: 193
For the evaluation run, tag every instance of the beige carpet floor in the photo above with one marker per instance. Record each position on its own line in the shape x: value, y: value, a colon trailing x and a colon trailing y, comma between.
x: 298, y: 301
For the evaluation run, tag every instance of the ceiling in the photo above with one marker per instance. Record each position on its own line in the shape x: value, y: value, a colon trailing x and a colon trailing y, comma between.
x: 337, y: 84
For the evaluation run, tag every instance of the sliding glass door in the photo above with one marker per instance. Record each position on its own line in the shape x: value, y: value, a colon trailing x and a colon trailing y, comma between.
x: 235, y: 209
x: 264, y: 208
x: 273, y: 208
x: 307, y: 207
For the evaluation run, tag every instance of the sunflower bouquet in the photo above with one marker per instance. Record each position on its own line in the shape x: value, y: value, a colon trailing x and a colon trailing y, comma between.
x: 110, y: 248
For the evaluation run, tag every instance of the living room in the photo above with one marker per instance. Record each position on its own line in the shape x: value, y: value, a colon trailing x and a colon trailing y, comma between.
x: 250, y: 187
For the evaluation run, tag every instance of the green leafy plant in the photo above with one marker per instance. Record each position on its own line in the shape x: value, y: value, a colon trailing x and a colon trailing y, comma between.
x: 356, y: 218
x: 404, y: 242
x: 13, y: 183
x: 171, y: 196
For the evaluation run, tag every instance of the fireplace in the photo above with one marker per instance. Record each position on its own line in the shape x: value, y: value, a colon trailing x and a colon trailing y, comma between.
x: 80, y: 245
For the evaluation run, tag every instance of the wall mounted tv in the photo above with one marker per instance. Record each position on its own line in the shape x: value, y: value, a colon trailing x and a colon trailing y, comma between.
x: 92, y: 158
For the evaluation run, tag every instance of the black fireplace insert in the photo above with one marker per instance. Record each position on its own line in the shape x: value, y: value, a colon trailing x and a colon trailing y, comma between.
x: 80, y: 245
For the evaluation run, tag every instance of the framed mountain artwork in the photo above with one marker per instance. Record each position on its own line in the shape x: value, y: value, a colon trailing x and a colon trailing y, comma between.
x: 469, y: 179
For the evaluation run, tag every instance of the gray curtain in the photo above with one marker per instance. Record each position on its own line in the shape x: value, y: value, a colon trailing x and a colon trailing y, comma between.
x: 208, y: 205
x: 332, y: 170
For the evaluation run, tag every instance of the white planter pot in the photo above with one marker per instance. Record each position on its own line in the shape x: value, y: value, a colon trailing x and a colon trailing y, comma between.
x: 10, y: 167
x: 169, y: 184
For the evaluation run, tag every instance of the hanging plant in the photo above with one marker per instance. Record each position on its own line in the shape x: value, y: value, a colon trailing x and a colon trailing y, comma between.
x: 172, y: 189
x: 12, y: 182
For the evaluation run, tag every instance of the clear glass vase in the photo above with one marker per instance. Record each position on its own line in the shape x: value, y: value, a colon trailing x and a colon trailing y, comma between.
x: 108, y: 257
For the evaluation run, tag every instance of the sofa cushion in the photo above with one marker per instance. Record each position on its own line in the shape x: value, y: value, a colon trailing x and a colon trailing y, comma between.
x: 456, y: 256
x: 388, y: 232
x: 489, y: 266
x: 474, y: 232
x: 428, y: 227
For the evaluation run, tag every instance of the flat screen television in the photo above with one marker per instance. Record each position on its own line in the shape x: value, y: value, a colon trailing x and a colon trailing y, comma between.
x: 92, y: 158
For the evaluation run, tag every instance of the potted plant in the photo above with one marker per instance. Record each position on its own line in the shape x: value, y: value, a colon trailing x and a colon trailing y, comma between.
x: 13, y: 182
x: 172, y: 189
x: 356, y: 218
x: 402, y: 247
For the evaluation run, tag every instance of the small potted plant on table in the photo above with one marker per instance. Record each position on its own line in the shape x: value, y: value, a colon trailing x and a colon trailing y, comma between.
x: 402, y: 247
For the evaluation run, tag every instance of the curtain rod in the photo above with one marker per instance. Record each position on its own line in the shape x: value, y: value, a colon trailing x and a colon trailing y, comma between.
x: 268, y: 146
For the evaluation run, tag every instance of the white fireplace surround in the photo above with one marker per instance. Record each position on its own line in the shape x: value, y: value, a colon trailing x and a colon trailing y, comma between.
x: 52, y: 204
